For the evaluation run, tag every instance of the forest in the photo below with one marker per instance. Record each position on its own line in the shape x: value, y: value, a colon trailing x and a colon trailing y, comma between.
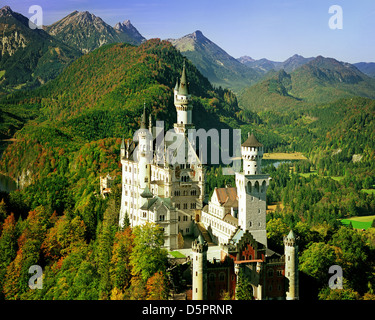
x: 67, y: 133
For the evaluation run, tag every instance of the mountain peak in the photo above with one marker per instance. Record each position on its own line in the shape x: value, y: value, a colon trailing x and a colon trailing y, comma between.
x: 198, y: 35
x: 6, y: 10
x: 245, y: 59
x: 128, y: 28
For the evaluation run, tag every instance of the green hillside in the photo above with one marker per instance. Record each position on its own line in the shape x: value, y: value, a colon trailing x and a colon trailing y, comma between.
x: 320, y: 81
x: 101, y: 96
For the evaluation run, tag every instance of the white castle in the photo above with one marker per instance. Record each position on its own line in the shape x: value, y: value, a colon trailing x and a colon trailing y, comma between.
x: 154, y: 189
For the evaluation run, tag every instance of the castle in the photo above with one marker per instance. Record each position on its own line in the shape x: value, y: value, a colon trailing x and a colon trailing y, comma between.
x: 157, y: 188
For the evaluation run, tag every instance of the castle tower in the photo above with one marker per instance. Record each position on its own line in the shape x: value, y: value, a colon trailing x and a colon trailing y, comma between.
x: 182, y: 101
x: 144, y: 153
x: 251, y: 190
x: 199, y: 248
x: 122, y: 148
x: 252, y: 154
x: 291, y: 266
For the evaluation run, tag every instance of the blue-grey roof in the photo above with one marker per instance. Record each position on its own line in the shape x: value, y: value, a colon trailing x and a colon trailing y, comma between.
x: 237, y: 236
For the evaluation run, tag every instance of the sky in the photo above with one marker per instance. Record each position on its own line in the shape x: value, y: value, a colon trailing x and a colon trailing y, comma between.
x: 272, y: 29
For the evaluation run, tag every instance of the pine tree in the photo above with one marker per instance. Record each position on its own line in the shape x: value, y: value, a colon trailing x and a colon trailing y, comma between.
x: 244, y: 289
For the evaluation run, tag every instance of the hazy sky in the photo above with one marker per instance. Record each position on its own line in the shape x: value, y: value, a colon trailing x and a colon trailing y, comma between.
x: 272, y: 29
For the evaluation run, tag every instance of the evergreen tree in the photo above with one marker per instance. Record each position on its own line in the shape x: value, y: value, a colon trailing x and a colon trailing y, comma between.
x: 244, y: 289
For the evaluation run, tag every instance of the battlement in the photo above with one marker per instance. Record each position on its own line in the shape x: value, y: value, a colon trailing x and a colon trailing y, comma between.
x: 289, y: 242
x: 199, y: 247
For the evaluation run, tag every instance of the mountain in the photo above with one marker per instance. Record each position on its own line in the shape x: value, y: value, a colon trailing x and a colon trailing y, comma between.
x: 294, y: 63
x: 261, y: 65
x: 86, y: 32
x: 214, y: 63
x: 127, y: 28
x: 265, y: 65
x: 319, y: 81
x: 246, y: 59
x: 28, y: 57
x: 366, y: 67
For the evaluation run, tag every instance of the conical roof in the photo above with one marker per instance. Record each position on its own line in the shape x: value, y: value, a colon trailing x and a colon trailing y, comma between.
x: 252, y: 141
x: 291, y: 235
x: 143, y: 119
x: 183, y: 90
x: 200, y: 239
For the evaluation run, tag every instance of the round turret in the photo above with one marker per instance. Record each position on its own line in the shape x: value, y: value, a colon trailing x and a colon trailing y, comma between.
x: 199, y: 248
x: 252, y: 154
x: 291, y: 266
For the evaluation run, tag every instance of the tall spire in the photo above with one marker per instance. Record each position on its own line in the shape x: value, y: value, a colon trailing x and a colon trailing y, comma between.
x: 184, y: 89
x: 144, y: 118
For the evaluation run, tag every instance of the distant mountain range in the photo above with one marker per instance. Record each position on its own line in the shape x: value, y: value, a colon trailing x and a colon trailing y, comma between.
x: 31, y: 57
x: 87, y: 32
x: 265, y: 65
x: 214, y: 63
x: 316, y: 82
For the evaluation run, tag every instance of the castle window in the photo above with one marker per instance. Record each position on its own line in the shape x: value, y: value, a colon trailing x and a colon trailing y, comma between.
x: 249, y: 187
x: 187, y: 230
x: 212, y: 277
x: 257, y: 186
x: 263, y: 186
x: 258, y: 210
x: 250, y: 224
x: 185, y: 205
x: 222, y: 276
x: 270, y: 273
x: 279, y: 273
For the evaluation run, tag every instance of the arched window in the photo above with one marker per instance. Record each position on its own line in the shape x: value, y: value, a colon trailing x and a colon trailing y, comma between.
x: 249, y: 187
x: 256, y: 186
x: 263, y: 186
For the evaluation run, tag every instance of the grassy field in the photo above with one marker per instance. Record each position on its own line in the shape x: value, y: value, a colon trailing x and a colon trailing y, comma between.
x: 284, y: 156
x: 359, y: 222
x: 176, y: 254
x: 315, y: 172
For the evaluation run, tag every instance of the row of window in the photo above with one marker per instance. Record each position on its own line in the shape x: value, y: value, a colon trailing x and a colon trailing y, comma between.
x: 177, y: 193
x: 221, y: 226
x: 154, y: 175
x: 185, y: 206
